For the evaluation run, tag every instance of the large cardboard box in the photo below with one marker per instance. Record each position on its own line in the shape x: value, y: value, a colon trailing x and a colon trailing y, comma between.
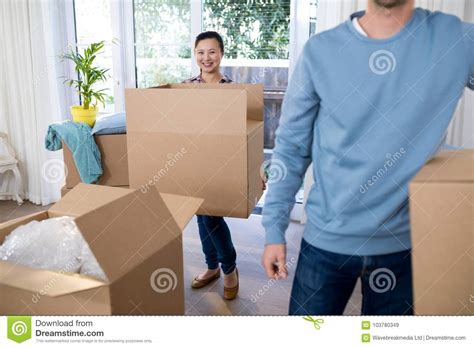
x: 136, y: 238
x: 65, y: 190
x: 442, y: 231
x: 200, y: 140
x: 113, y: 149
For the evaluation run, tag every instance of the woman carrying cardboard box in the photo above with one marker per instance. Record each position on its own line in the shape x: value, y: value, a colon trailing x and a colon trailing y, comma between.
x: 214, y: 233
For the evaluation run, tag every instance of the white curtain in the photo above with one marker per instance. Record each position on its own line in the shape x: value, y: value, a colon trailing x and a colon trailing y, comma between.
x: 31, y: 94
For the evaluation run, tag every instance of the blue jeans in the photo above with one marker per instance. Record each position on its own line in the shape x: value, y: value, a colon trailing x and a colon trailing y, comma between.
x: 216, y: 243
x: 324, y: 282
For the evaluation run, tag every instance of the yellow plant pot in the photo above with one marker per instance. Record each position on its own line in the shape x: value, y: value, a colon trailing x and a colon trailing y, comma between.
x: 79, y: 114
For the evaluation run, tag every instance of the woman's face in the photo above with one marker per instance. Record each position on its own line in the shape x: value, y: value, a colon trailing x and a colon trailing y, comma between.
x: 208, y: 55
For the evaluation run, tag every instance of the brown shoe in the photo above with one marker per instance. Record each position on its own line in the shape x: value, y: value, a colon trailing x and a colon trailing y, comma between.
x: 199, y: 283
x: 231, y: 293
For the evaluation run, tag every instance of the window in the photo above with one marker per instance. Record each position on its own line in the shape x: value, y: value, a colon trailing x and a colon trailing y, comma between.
x: 93, y: 25
x: 312, y: 17
x: 251, y: 29
x: 156, y: 38
x: 256, y: 38
x: 162, y: 41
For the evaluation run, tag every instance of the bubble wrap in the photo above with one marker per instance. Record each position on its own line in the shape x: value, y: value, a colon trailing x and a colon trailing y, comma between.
x: 55, y: 244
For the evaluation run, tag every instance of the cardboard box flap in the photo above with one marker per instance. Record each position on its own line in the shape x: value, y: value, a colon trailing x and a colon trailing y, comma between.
x: 182, y: 208
x: 84, y: 198
x: 448, y: 166
x: 43, y: 282
x: 128, y: 230
x: 254, y: 92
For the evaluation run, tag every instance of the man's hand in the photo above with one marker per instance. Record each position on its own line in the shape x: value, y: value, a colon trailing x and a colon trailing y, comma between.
x: 274, y: 260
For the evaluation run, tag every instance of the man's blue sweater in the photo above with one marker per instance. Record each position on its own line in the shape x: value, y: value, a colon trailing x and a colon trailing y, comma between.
x: 368, y: 113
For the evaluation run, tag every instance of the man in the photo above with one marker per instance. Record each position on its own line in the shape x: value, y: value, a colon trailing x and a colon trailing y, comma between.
x: 369, y: 103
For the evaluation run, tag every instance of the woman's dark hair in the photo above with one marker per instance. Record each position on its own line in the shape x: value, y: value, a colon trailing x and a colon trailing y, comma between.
x: 210, y: 35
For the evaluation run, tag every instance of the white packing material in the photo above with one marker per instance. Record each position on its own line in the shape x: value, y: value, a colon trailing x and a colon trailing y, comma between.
x: 54, y: 244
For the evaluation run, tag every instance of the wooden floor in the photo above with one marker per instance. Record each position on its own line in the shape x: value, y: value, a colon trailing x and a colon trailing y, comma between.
x: 258, y: 295
x: 11, y: 210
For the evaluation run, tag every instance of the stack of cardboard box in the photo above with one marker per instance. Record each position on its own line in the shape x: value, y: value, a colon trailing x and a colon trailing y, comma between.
x: 188, y: 149
x: 198, y: 140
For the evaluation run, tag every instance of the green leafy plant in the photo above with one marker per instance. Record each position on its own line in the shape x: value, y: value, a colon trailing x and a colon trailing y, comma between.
x: 250, y: 29
x: 89, y: 75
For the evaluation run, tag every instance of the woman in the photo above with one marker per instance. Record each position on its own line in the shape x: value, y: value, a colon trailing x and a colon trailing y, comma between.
x: 213, y: 231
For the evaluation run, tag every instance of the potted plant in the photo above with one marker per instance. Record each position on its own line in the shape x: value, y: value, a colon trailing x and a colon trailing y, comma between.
x: 88, y: 76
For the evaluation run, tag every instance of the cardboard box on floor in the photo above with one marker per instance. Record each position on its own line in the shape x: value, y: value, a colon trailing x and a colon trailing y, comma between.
x: 113, y: 149
x: 136, y: 238
x: 200, y: 140
x: 64, y: 190
x: 442, y: 231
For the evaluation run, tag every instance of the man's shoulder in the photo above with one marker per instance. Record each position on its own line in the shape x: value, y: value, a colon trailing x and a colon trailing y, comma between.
x: 438, y: 18
x: 329, y: 38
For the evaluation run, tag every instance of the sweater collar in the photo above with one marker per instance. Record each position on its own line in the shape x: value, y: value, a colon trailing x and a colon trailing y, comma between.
x: 407, y: 29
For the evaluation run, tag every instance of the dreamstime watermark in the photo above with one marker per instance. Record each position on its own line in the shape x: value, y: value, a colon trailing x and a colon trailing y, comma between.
x: 382, y: 62
x: 470, y: 34
x: 382, y: 280
x: 53, y: 281
x: 172, y: 160
x: 391, y: 160
x: 255, y: 297
x: 317, y: 322
x: 19, y: 328
x: 47, y: 69
x: 163, y: 280
x: 273, y: 171
x: 260, y: 76
x: 54, y: 171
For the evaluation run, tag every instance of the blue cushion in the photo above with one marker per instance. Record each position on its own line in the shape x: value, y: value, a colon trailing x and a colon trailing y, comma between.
x: 110, y: 124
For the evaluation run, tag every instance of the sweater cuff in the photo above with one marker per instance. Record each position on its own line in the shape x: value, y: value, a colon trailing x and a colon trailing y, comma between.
x: 275, y: 237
